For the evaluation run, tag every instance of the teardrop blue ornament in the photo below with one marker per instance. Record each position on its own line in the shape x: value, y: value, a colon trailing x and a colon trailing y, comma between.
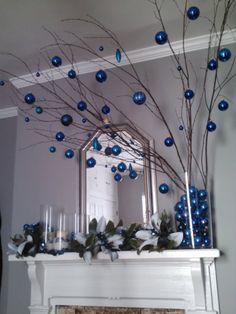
x: 139, y: 98
x: 133, y: 175
x: 118, y: 55
x: 130, y: 168
x: 193, y: 13
x: 91, y: 162
x: 29, y: 98
x: 224, y: 54
x: 96, y: 145
x: 69, y: 153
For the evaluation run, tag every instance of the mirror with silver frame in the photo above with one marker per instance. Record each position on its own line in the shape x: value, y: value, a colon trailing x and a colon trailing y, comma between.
x: 117, y: 177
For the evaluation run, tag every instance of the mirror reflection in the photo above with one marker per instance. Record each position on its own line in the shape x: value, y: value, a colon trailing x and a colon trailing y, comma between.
x: 116, y: 177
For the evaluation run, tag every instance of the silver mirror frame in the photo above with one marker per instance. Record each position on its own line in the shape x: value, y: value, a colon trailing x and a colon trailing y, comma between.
x: 150, y: 180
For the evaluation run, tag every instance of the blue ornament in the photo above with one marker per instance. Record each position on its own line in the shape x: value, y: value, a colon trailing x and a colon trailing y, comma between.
x: 130, y: 168
x: 164, y: 188
x: 72, y: 74
x: 133, y: 175
x: 193, y: 13
x: 179, y: 68
x: 96, y: 145
x: 224, y: 54
x: 188, y: 94
x: 181, y: 227
x: 198, y: 241
x: 161, y: 38
x: 169, y: 141
x: 187, y: 233
x: 197, y: 212
x: 69, y: 153
x: 108, y: 151
x: 101, y: 76
x: 183, y: 198
x: 101, y: 48
x: 202, y: 195
x: 27, y: 119
x: 179, y: 206
x: 52, y: 149
x: 194, y: 201
x: 39, y: 110
x: 2, y: 83
x: 118, y: 55
x: 116, y: 150
x: 193, y: 190
x: 206, y: 241
x: 212, y: 64
x: 118, y: 177
x: 29, y: 98
x: 211, y: 126
x: 204, y: 222
x: 91, y: 162
x: 84, y: 120
x: 203, y: 206
x: 181, y: 128
x: 113, y: 169
x: 66, y: 120
x: 60, y: 136
x: 106, y: 109
x: 56, y: 61
x: 139, y: 98
x: 37, y: 74
x: 122, y: 167
x: 178, y: 216
x: 82, y: 105
x: 223, y: 105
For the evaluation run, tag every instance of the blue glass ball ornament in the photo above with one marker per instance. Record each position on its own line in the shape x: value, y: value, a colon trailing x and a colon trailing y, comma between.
x: 2, y: 83
x: 52, y: 149
x: 198, y: 241
x: 204, y: 222
x: 69, y: 153
x: 118, y: 55
x: 82, y: 105
x: 71, y: 74
x: 113, y: 169
x: 187, y: 233
x: 212, y: 65
x: 206, y: 241
x: 27, y: 119
x: 84, y: 120
x: 223, y: 105
x: 56, y: 61
x: 178, y: 216
x: 193, y: 13
x: 91, y: 162
x: 60, y: 136
x: 163, y: 188
x: 169, y: 141
x: 183, y: 199
x: 66, y: 120
x: 122, y: 167
x: 116, y: 150
x: 181, y: 227
x: 106, y: 109
x: 108, y: 151
x: 204, y: 206
x: 113, y: 135
x: 133, y: 175
x: 101, y: 48
x: 161, y: 38
x: 202, y: 195
x: 197, y: 212
x: 188, y: 94
x: 179, y: 206
x: 181, y: 128
x: 118, y: 177
x: 101, y: 76
x: 37, y: 74
x: 139, y: 98
x: 211, y: 126
x: 192, y: 190
x: 179, y: 68
x: 39, y: 110
x: 224, y: 54
x: 193, y: 201
x: 29, y: 98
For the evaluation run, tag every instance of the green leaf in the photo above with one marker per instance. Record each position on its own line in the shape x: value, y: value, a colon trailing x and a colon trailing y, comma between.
x: 110, y: 228
x: 134, y: 243
x: 93, y: 225
x: 90, y: 241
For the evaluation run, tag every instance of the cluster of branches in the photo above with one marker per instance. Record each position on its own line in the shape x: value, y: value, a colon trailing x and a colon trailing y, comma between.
x: 62, y: 97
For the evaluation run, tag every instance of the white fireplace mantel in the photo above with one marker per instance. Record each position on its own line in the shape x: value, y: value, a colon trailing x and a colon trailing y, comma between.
x: 180, y: 279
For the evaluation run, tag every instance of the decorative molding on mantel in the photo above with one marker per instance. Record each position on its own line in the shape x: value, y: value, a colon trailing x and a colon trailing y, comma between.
x: 177, y: 279
x: 8, y: 112
x: 135, y: 56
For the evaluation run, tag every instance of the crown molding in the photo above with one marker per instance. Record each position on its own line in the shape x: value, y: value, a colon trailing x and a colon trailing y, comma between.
x: 8, y: 112
x: 135, y: 56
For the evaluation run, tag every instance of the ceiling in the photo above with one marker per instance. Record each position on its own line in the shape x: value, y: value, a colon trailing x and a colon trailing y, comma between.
x: 23, y: 25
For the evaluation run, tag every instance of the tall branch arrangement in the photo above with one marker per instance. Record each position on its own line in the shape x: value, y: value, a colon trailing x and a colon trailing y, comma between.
x: 73, y: 103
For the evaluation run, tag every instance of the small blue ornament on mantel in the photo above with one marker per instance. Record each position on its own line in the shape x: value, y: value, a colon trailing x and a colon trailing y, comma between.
x: 224, y: 54
x: 193, y: 13
x: 91, y: 162
x: 60, y: 136
x: 72, y: 74
x: 69, y: 153
x: 139, y: 98
x: 164, y: 188
x: 188, y: 94
x: 161, y: 38
x: 122, y: 167
x: 29, y: 98
x: 56, y: 61
x: 66, y: 120
x: 101, y: 76
x: 113, y: 169
x: 212, y: 65
x: 133, y: 175
x: 211, y: 126
x: 169, y: 141
x: 223, y: 105
x: 118, y: 177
